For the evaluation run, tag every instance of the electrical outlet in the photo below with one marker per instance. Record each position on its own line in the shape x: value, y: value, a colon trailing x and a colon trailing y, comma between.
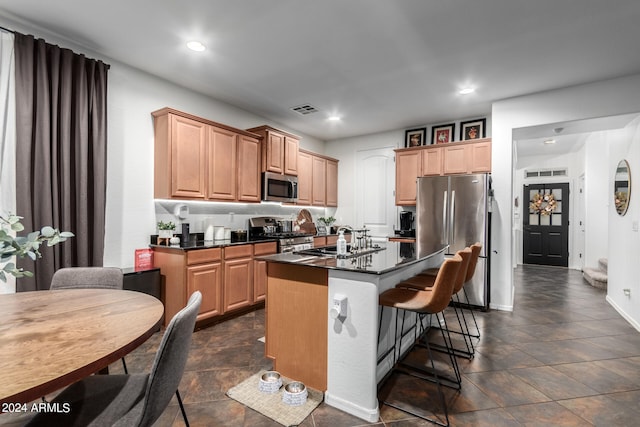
x: 634, y: 225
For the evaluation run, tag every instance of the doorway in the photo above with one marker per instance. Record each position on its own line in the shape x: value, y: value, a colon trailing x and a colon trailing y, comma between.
x: 375, y: 202
x: 546, y: 224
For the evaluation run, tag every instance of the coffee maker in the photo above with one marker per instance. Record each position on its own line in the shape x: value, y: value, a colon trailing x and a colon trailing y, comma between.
x: 406, y: 225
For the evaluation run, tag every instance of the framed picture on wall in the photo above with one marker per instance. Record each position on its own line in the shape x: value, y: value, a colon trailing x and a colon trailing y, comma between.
x: 415, y: 137
x: 442, y: 134
x: 473, y: 129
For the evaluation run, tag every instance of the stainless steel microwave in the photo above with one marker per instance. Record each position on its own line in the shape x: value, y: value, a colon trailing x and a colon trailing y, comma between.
x: 279, y: 188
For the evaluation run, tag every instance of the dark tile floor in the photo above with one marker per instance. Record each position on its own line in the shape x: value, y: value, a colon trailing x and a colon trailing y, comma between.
x: 563, y: 357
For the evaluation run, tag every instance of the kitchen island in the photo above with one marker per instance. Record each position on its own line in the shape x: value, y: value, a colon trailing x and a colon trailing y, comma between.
x: 322, y: 318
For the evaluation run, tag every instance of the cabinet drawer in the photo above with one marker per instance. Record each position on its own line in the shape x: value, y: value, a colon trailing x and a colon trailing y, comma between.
x: 319, y: 241
x: 241, y: 251
x: 203, y: 255
x: 265, y: 248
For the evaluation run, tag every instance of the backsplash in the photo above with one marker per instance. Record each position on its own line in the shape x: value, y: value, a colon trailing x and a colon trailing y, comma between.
x: 231, y: 215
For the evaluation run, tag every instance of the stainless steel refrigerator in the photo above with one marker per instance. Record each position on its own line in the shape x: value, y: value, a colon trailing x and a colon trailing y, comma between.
x: 454, y: 211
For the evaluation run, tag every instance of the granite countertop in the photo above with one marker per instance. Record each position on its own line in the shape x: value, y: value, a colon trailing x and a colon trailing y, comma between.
x: 391, y: 256
x: 202, y: 244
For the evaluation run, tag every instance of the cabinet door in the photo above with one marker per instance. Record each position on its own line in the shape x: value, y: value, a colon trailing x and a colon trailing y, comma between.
x: 206, y: 278
x: 432, y: 161
x: 455, y: 159
x: 260, y: 269
x: 290, y: 156
x: 274, y: 152
x: 480, y: 157
x: 407, y: 173
x: 332, y: 183
x: 188, y: 160
x: 305, y: 179
x: 238, y: 283
x: 319, y: 181
x: 248, y: 169
x: 222, y: 164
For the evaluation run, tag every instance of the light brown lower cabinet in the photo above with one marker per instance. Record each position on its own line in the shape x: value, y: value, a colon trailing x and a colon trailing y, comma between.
x: 238, y: 277
x: 224, y: 276
x: 260, y: 269
x: 206, y: 278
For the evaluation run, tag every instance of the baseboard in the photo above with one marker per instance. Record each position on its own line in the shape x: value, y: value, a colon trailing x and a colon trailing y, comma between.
x: 501, y: 307
x: 369, y: 415
x: 622, y: 313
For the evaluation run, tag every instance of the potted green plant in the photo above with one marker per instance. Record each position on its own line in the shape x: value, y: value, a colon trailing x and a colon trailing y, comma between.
x: 166, y: 229
x: 21, y: 246
x: 327, y: 221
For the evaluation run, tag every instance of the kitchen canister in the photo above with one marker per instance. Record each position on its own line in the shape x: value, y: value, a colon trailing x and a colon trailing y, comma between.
x: 208, y: 230
x: 218, y: 232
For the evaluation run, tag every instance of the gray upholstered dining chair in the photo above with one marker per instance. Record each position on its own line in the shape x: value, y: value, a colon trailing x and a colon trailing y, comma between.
x: 88, y: 278
x: 130, y: 400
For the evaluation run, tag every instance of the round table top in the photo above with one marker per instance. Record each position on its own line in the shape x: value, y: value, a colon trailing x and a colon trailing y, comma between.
x: 50, y: 339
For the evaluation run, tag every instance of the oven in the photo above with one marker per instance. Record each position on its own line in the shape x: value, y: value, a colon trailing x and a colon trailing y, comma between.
x: 278, y: 229
x: 294, y: 243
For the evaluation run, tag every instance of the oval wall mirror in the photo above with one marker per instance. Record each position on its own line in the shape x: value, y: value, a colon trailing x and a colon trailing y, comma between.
x: 622, y: 187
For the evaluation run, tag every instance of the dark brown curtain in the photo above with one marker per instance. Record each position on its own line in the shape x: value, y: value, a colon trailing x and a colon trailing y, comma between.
x: 61, y: 153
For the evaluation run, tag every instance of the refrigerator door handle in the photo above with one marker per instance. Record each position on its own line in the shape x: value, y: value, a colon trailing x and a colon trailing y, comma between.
x: 452, y: 217
x: 444, y: 216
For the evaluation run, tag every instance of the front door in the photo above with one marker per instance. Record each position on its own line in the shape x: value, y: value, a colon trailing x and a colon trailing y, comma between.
x: 546, y: 224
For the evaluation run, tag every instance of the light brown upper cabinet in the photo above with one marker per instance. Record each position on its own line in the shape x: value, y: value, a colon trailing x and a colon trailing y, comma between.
x: 248, y: 169
x: 279, y: 150
x: 317, y: 179
x: 223, y: 159
x: 332, y: 182
x: 408, y: 169
x: 442, y: 159
x: 305, y: 180
x: 180, y: 161
x: 198, y: 159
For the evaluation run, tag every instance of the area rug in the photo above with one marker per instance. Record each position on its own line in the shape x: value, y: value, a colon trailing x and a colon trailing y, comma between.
x: 271, y: 405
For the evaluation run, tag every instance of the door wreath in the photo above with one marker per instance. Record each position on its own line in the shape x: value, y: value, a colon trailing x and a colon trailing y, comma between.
x: 543, y: 204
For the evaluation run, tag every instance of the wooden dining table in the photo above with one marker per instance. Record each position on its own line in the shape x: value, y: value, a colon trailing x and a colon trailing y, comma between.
x: 51, y: 339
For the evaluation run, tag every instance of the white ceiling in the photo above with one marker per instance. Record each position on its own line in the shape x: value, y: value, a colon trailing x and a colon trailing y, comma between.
x: 568, y: 136
x: 379, y: 64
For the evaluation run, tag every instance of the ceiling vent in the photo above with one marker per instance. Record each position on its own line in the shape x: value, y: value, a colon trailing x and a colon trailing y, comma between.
x: 305, y: 109
x: 543, y: 173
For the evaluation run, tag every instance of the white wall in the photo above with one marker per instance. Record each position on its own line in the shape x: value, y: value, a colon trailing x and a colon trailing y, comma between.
x: 600, y: 99
x: 624, y: 237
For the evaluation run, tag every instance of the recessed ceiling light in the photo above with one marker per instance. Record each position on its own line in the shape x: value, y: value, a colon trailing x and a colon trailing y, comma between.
x: 196, y: 46
x: 466, y: 90
x: 334, y: 118
x: 549, y: 141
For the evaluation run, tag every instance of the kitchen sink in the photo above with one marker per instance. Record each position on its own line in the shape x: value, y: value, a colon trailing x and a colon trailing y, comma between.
x: 332, y: 251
